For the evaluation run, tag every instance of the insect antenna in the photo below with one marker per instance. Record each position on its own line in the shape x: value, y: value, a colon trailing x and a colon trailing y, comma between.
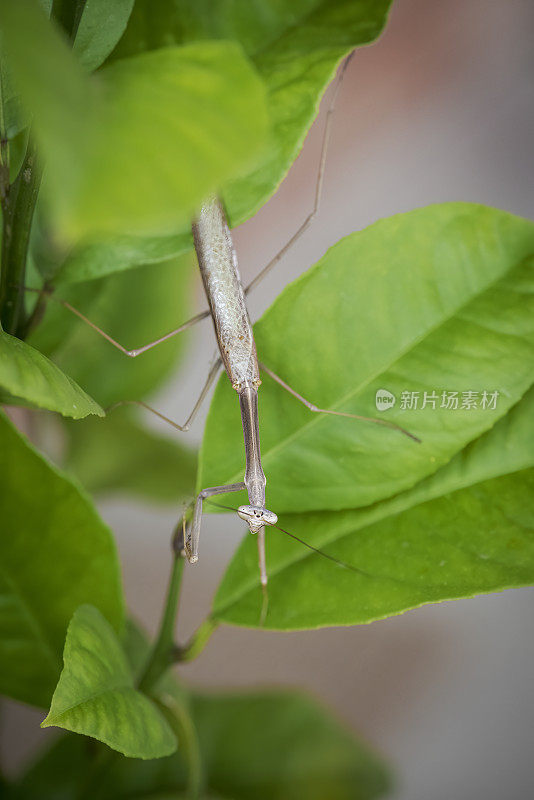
x: 338, y: 561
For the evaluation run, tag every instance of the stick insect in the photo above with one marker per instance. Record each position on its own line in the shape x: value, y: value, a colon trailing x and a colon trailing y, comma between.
x: 237, y: 354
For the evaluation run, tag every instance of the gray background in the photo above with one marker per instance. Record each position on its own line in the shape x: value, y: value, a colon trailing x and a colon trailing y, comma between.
x: 441, y: 108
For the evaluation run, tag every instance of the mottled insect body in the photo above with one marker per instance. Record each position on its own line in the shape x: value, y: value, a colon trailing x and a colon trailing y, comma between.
x: 217, y: 261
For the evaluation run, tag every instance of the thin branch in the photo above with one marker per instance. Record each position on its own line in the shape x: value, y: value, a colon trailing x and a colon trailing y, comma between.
x: 180, y: 720
x: 197, y: 642
x: 161, y: 656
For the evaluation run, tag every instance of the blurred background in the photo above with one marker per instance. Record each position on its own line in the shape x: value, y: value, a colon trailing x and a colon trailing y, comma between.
x: 440, y: 108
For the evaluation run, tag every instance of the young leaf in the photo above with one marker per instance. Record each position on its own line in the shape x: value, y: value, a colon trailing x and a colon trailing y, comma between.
x: 55, y: 553
x: 182, y: 120
x: 119, y: 455
x: 244, y: 748
x: 95, y: 695
x: 27, y: 375
x: 437, y: 300
x: 466, y: 529
x: 295, y: 46
x: 135, y: 307
x: 100, y: 27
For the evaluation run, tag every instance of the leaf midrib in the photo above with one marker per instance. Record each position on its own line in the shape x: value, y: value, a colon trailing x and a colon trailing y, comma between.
x: 455, y: 486
x: 316, y: 419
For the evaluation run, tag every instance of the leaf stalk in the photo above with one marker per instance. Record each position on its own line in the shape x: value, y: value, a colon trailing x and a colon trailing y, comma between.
x: 197, y: 642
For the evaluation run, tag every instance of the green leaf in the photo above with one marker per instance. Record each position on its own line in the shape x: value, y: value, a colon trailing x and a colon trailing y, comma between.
x: 136, y: 645
x: 135, y: 307
x: 119, y: 455
x: 27, y: 375
x: 323, y: 760
x: 100, y: 27
x: 95, y: 695
x: 182, y: 120
x: 466, y: 529
x: 296, y: 46
x: 434, y: 300
x: 244, y: 744
x: 50, y: 85
x: 98, y: 259
x: 10, y: 112
x: 208, y: 85
x: 14, y: 118
x: 55, y: 553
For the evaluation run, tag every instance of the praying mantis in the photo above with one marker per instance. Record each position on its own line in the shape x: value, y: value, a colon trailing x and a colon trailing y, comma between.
x: 226, y: 297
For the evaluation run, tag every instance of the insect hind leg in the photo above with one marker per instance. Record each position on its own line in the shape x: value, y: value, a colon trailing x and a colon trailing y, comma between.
x: 47, y: 294
x: 214, y: 371
x: 312, y: 407
x: 318, y: 186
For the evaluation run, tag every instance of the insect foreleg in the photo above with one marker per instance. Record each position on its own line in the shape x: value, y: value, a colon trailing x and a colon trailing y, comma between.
x: 192, y: 533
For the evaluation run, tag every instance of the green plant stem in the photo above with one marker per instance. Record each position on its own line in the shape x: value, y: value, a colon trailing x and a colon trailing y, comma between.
x: 179, y: 717
x: 161, y: 656
x: 18, y: 210
x: 197, y: 643
x: 160, y: 659
x: 105, y: 758
x: 4, y: 147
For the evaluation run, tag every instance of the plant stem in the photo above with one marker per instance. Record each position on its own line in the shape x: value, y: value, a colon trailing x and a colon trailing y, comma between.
x: 95, y: 777
x: 180, y: 719
x: 161, y: 656
x: 18, y: 209
x: 197, y: 642
x: 4, y: 146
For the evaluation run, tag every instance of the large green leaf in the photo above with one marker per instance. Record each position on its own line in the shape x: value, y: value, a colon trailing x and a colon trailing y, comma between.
x: 98, y: 259
x: 295, y: 45
x: 95, y: 695
x: 119, y: 455
x: 51, y: 85
x: 136, y: 147
x: 30, y: 379
x: 135, y: 307
x: 464, y: 530
x: 267, y: 746
x: 55, y: 553
x: 435, y: 300
x: 13, y: 116
x: 99, y: 29
x: 255, y: 761
x: 183, y: 118
x: 27, y: 375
